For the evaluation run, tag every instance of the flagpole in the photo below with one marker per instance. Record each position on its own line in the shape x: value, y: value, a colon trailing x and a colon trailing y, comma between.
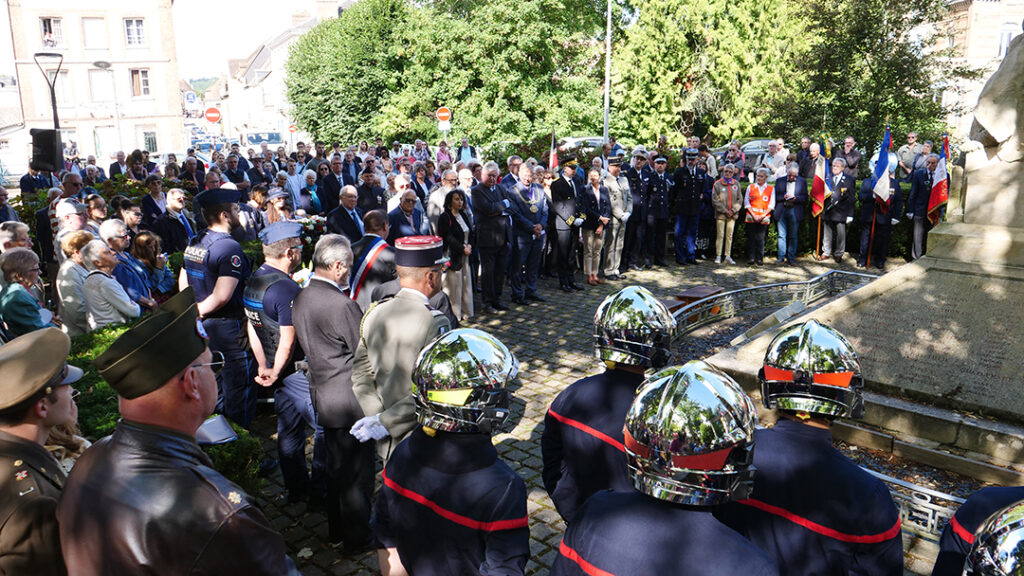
x: 871, y: 239
x: 817, y: 255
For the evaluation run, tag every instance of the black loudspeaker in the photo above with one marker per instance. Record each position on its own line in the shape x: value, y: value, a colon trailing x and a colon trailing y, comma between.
x: 47, y: 151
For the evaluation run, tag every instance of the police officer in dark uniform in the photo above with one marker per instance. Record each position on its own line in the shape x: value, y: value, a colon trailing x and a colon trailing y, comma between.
x: 657, y: 192
x: 959, y: 535
x: 448, y: 504
x: 568, y: 221
x: 813, y: 510
x: 216, y: 268
x: 637, y: 175
x: 146, y: 499
x: 876, y: 238
x: 268, y: 300
x: 35, y: 396
x: 582, y: 440
x: 690, y: 183
x: 688, y: 441
x: 996, y: 550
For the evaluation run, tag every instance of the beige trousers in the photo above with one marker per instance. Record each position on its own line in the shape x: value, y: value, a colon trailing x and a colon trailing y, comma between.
x: 616, y: 232
x: 725, y: 230
x: 459, y: 288
x: 592, y: 244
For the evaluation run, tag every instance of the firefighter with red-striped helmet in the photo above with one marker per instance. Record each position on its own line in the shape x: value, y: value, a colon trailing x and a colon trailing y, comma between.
x: 582, y: 440
x: 813, y: 510
x: 688, y: 443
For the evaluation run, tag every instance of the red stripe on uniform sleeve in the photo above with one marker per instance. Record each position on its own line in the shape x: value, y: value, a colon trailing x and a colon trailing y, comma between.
x: 960, y: 531
x: 588, y: 430
x: 511, y: 524
x: 824, y: 530
x: 587, y: 567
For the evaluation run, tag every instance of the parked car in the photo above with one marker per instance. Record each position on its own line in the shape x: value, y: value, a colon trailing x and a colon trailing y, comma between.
x: 584, y: 144
x: 753, y: 149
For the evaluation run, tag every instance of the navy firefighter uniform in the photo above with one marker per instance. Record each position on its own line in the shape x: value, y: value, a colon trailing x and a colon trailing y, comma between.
x: 210, y: 255
x: 451, y: 506
x: 958, y: 536
x: 582, y: 441
x: 268, y: 298
x: 813, y: 510
x: 631, y: 533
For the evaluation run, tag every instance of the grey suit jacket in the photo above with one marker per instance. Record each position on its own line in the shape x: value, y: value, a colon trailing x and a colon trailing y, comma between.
x: 392, y: 334
x: 327, y: 327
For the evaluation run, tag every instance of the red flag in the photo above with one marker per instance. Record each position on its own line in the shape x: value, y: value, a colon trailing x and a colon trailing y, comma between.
x: 940, y: 185
x: 821, y: 187
x: 553, y: 156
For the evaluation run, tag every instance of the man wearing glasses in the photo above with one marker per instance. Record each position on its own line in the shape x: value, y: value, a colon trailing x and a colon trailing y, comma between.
x: 147, y: 497
x: 406, y: 219
x: 435, y: 202
x: 35, y: 396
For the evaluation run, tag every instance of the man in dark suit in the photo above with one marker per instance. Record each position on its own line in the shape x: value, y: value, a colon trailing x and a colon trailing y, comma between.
x: 334, y: 182
x: 373, y: 259
x: 350, y: 169
x: 917, y: 204
x: 347, y: 218
x: 876, y: 238
x: 119, y: 167
x: 633, y: 246
x: 790, y: 199
x: 511, y: 179
x: 687, y: 194
x: 657, y: 193
x: 371, y: 195
x: 174, y: 227
x: 492, y: 233
x: 567, y: 226
x: 405, y: 220
x: 838, y: 212
x: 327, y: 327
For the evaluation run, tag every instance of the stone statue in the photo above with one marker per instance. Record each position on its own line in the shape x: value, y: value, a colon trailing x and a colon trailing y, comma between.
x: 999, y: 116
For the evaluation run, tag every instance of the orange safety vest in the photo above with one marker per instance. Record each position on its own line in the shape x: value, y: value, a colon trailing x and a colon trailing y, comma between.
x: 759, y: 202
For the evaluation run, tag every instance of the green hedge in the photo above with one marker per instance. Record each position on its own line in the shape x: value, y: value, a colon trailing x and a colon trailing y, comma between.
x: 98, y: 413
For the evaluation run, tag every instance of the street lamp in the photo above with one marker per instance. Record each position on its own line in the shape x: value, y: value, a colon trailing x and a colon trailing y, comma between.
x: 104, y: 65
x: 607, y: 69
x: 51, y: 83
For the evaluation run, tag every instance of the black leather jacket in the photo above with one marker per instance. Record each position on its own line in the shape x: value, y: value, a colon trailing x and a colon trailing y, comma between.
x: 146, y: 500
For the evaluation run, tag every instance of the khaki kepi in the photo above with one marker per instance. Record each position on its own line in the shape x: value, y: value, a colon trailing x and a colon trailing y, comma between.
x: 33, y: 363
x: 156, y: 349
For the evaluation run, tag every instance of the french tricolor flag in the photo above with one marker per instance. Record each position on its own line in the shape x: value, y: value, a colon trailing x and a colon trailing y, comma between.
x: 882, y: 169
x: 940, y: 185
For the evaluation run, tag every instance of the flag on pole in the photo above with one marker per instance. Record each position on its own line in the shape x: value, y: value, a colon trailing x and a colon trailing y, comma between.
x: 553, y: 155
x: 940, y: 185
x: 821, y: 187
x: 881, y: 188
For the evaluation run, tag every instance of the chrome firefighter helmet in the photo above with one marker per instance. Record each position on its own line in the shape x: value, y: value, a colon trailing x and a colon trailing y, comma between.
x: 633, y: 327
x: 812, y: 368
x: 689, y: 436
x: 998, y: 548
x: 461, y: 380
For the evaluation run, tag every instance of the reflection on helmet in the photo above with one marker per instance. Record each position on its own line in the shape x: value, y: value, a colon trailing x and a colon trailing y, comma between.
x: 998, y: 548
x: 810, y: 367
x: 461, y: 381
x: 633, y: 327
x: 689, y: 436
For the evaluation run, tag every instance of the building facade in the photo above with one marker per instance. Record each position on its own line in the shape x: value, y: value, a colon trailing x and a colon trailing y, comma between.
x: 117, y: 87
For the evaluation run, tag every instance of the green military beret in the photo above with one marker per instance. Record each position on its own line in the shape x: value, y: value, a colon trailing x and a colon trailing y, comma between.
x: 156, y: 349
x: 33, y: 363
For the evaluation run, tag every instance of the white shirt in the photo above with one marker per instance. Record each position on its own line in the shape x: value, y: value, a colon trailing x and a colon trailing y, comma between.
x: 327, y: 280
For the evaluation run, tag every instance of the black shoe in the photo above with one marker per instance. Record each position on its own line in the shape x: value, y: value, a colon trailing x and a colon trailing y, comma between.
x: 488, y: 309
x: 861, y: 264
x: 647, y: 266
x: 520, y: 301
x: 566, y: 288
x: 499, y: 306
x: 536, y: 298
x: 267, y: 467
x: 612, y: 277
x: 576, y: 287
x: 791, y: 261
x: 358, y: 548
x: 838, y: 259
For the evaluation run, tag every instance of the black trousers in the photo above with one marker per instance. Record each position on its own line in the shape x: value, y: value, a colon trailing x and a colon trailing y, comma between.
x: 633, y: 244
x: 492, y: 272
x: 656, y: 230
x: 565, y: 254
x: 350, y: 476
x: 879, y: 246
x: 755, y: 241
x: 920, y: 243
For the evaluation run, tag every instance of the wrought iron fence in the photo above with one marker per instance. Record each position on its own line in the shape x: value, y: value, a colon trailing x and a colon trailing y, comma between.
x: 923, y: 512
x: 735, y: 302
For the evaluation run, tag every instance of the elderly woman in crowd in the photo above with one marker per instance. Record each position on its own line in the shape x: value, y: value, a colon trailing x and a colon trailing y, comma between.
x: 146, y: 250
x: 735, y: 157
x: 443, y: 153
x: 18, y: 308
x: 759, y: 204
x: 727, y: 201
x: 309, y: 195
x: 155, y: 203
x: 129, y: 271
x: 594, y: 201
x: 277, y: 206
x: 70, y: 283
x: 421, y: 181
x: 455, y: 228
x: 96, y: 211
x: 106, y: 302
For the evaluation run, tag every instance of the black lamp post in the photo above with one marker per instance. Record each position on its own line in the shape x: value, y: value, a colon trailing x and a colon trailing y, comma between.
x: 52, y: 84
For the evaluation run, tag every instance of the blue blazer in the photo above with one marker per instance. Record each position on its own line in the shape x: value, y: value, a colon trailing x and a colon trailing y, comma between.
x: 799, y: 201
x: 920, y: 193
x: 522, y: 217
x: 399, y: 226
x: 589, y: 206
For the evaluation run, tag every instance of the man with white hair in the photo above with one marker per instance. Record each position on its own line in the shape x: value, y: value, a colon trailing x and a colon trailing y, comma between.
x: 71, y: 216
x: 435, y: 202
x: 405, y: 219
x: 347, y: 218
x: 14, y: 235
x: 490, y: 210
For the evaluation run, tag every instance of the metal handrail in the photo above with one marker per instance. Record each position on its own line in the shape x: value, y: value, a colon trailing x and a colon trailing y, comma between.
x: 920, y: 512
x: 736, y: 302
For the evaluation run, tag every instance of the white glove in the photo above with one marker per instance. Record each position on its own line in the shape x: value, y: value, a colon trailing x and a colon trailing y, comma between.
x: 849, y: 219
x: 626, y: 216
x: 377, y: 430
x: 910, y: 215
x: 895, y: 221
x: 577, y: 222
x: 505, y: 201
x: 365, y: 428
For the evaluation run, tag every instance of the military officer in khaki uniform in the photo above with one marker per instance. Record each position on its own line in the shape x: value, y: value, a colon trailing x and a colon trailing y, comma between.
x: 392, y: 333
x: 35, y: 396
x: 622, y: 205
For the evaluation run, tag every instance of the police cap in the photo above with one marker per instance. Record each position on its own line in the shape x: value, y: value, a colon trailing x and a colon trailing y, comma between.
x: 280, y: 230
x: 217, y: 196
x: 660, y: 159
x: 35, y: 362
x: 692, y: 153
x: 615, y: 160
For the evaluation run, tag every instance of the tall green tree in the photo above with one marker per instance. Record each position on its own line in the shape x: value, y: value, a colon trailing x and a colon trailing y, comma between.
x: 715, y: 63
x: 340, y: 74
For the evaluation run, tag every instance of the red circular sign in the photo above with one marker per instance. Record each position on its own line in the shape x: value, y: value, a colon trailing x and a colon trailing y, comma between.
x: 293, y: 129
x: 444, y: 114
x: 212, y: 115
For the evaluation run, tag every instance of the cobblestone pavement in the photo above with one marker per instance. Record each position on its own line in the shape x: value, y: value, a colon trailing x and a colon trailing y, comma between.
x: 552, y: 341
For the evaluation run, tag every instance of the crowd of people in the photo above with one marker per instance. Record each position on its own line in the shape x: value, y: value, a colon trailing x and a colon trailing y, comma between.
x: 368, y: 353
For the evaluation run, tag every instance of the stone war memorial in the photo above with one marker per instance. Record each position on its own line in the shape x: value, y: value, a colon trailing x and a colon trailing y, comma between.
x: 941, y: 340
